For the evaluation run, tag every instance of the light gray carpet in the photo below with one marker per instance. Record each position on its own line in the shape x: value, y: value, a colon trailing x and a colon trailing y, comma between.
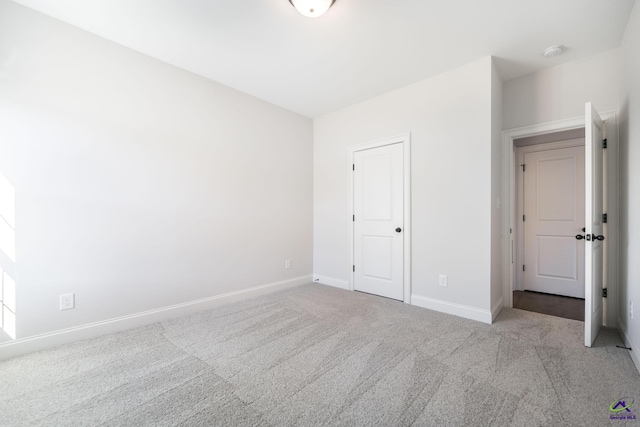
x: 316, y: 355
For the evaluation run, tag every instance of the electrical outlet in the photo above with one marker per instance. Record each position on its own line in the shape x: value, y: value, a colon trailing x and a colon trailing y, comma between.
x: 67, y: 301
x: 631, y: 309
x: 442, y: 281
x: 287, y: 264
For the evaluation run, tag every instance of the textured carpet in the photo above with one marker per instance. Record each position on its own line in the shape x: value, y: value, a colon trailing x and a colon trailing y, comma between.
x: 316, y: 355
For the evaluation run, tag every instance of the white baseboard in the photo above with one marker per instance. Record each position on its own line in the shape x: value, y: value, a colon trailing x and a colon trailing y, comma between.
x: 495, y: 310
x: 91, y: 330
x: 330, y: 281
x: 629, y: 343
x: 473, y: 313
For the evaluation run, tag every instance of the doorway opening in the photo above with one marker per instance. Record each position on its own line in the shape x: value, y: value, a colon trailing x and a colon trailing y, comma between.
x: 380, y: 217
x: 550, y: 194
x: 601, y: 192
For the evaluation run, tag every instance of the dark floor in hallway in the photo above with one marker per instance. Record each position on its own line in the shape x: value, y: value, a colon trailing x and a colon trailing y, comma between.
x: 554, y: 305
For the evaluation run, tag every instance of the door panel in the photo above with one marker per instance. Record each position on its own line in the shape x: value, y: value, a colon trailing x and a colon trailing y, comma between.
x: 594, y: 254
x: 376, y: 248
x: 558, y: 257
x: 378, y: 209
x: 377, y: 199
x: 557, y: 188
x: 554, y: 214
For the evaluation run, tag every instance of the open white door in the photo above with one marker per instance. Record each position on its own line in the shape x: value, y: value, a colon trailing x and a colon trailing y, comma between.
x: 594, y: 253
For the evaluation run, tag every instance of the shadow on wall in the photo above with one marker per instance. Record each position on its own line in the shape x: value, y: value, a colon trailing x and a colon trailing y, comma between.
x: 7, y: 257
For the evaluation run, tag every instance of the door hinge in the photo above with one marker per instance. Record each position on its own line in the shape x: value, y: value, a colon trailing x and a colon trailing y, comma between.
x: 604, y: 143
x: 354, y: 268
x: 524, y: 167
x: 604, y: 292
x: 354, y: 218
x: 604, y: 218
x: 353, y: 166
x: 523, y: 269
x: 522, y: 218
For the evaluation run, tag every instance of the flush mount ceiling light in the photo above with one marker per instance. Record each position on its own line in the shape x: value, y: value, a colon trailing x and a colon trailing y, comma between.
x: 552, y: 51
x: 312, y: 8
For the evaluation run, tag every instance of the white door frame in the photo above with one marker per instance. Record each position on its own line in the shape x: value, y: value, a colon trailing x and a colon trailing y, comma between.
x: 405, y: 140
x: 509, y: 196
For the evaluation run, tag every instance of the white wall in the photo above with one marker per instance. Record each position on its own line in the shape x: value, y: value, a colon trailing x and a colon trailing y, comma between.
x: 449, y: 117
x: 560, y: 92
x: 140, y: 185
x: 497, y: 289
x: 630, y: 185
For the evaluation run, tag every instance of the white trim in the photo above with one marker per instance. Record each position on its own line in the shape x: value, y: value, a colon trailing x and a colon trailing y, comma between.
x: 330, y: 281
x: 91, y: 330
x: 508, y: 186
x: 544, y: 128
x: 495, y: 310
x: 629, y: 343
x: 405, y: 140
x: 473, y: 313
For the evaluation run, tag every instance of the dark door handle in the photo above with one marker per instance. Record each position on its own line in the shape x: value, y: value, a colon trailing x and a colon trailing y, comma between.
x: 398, y: 230
x: 589, y: 237
x: 580, y: 236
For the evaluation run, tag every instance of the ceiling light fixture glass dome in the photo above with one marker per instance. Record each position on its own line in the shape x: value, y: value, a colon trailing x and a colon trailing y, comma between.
x: 552, y: 51
x: 312, y: 8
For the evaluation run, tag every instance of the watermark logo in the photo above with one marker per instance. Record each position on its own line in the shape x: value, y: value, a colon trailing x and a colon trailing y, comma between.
x: 621, y: 409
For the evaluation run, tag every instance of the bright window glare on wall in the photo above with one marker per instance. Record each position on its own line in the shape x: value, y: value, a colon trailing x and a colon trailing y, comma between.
x: 7, y: 240
x: 9, y: 322
x: 7, y: 202
x: 8, y: 292
x: 7, y: 218
x: 8, y: 304
x: 8, y: 248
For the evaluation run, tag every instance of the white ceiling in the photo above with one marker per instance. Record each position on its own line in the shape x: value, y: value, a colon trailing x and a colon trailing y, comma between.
x: 358, y: 50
